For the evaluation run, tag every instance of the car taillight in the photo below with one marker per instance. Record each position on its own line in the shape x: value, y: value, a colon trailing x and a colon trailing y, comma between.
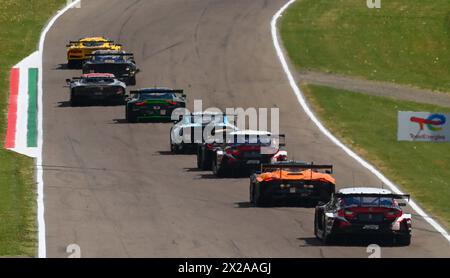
x: 140, y: 103
x: 232, y: 152
x: 344, y: 224
x: 281, y: 158
x: 393, y: 214
x: 172, y: 102
x: 347, y: 214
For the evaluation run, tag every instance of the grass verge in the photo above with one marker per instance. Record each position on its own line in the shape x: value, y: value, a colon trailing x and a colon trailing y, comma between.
x: 21, y: 22
x: 404, y: 42
x: 368, y: 124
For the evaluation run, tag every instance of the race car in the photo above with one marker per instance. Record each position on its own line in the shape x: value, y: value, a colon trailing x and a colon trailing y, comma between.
x: 154, y: 104
x: 119, y: 63
x: 98, y: 88
x: 188, y: 133
x: 78, y: 51
x: 244, y: 151
x: 363, y: 211
x: 292, y: 181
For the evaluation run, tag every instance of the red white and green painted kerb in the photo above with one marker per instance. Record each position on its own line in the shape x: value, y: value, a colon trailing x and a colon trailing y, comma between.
x: 22, y: 130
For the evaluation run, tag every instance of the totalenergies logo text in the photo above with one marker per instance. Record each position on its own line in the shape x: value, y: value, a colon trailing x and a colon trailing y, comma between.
x: 434, y: 122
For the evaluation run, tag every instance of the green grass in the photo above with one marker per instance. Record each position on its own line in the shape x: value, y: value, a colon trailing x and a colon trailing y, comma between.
x: 405, y: 41
x: 369, y: 125
x: 21, y: 22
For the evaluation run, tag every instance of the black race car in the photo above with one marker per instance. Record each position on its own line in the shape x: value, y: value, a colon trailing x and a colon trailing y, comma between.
x: 293, y: 181
x: 154, y: 104
x: 119, y: 63
x: 363, y: 211
x: 96, y: 88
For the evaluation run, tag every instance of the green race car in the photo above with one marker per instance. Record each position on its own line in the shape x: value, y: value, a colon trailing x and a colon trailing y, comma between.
x: 155, y: 104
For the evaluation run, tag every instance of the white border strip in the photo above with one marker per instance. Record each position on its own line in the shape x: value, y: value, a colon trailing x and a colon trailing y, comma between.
x: 42, y: 248
x: 304, y: 105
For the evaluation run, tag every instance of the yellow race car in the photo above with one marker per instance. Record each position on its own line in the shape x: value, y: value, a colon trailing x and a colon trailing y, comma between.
x: 80, y: 51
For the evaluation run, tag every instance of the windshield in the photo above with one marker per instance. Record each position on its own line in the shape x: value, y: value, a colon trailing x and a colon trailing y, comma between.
x: 361, y: 201
x: 93, y: 44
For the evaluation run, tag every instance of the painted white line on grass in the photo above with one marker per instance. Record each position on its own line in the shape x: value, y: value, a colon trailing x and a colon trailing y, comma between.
x: 42, y: 248
x: 304, y: 105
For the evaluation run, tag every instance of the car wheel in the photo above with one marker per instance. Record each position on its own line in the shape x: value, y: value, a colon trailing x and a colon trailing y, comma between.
x: 217, y: 170
x: 206, y: 161
x: 71, y: 64
x: 74, y: 101
x: 173, y: 148
x: 131, y: 117
x: 252, y: 193
x: 199, y: 159
x: 404, y: 239
x: 327, y: 238
x: 132, y: 81
x: 316, y: 223
x: 260, y: 199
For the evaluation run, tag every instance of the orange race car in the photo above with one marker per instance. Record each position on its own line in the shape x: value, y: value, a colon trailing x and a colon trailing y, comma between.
x: 292, y: 181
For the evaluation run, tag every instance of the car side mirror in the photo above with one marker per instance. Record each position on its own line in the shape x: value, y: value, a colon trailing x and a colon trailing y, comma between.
x: 68, y: 81
x: 328, y: 172
x: 138, y: 70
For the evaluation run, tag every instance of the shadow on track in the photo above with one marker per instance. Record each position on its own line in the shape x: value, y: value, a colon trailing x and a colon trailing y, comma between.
x: 351, y: 241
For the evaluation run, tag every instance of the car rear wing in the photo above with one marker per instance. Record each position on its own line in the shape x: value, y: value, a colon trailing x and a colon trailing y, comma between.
x: 70, y: 80
x: 136, y: 92
x: 389, y: 195
x: 281, y: 139
x: 79, y: 42
x: 206, y: 114
x: 110, y: 54
x: 180, y: 92
x: 298, y: 165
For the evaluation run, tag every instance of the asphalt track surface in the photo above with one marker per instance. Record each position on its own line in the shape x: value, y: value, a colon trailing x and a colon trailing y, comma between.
x: 114, y: 189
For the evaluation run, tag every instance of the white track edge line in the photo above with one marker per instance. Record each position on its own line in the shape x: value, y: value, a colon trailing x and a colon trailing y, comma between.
x: 301, y: 99
x: 42, y: 248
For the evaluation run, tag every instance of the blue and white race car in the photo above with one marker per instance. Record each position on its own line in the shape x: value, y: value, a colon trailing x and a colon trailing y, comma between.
x: 192, y: 130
